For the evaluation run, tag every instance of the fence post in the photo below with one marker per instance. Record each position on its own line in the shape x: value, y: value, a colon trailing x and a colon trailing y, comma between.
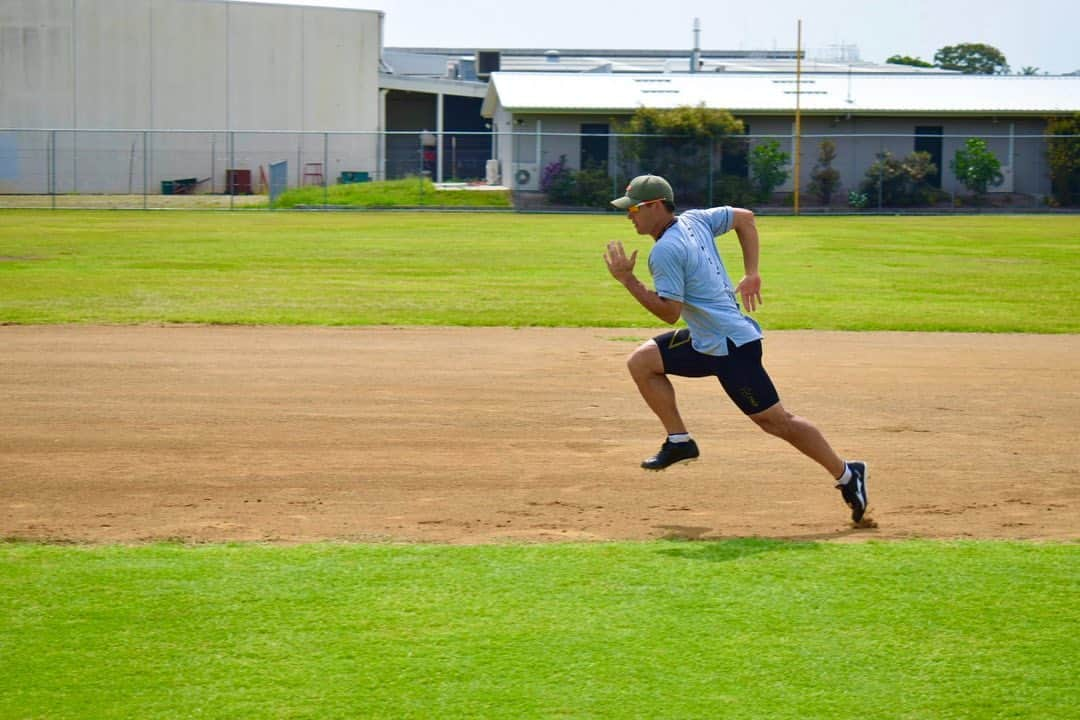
x: 880, y: 175
x: 326, y: 168
x: 615, y: 165
x: 712, y: 151
x: 145, y: 165
x: 51, y: 169
x: 230, y: 179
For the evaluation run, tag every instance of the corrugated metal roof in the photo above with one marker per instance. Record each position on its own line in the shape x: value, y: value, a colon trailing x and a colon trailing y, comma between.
x: 755, y: 93
x: 681, y: 64
x: 643, y: 65
x: 435, y: 61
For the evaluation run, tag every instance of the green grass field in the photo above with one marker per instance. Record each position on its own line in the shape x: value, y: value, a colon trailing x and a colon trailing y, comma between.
x: 992, y: 274
x: 409, y: 192
x: 736, y: 629
x: 739, y: 629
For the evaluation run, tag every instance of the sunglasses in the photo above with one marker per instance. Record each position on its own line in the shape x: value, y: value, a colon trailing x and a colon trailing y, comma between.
x: 637, y: 208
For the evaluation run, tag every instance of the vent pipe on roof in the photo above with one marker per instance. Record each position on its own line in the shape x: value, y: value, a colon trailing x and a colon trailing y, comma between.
x: 695, y: 56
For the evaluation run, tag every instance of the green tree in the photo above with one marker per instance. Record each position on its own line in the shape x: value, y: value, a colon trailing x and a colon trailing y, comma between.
x: 825, y: 179
x: 977, y: 167
x: 680, y: 143
x: 908, y: 60
x: 768, y: 168
x: 972, y: 59
x: 1029, y: 70
x: 1063, y: 156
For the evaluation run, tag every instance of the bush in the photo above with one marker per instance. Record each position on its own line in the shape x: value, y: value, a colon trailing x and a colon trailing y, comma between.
x: 825, y: 179
x: 593, y: 186
x: 857, y: 200
x: 557, y: 182
x: 768, y: 169
x: 733, y: 190
x: 900, y: 183
x: 590, y: 187
x: 976, y: 167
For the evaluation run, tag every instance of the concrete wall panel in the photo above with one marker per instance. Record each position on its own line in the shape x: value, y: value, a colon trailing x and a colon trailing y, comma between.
x: 188, y: 66
x: 113, y: 56
x: 36, y: 63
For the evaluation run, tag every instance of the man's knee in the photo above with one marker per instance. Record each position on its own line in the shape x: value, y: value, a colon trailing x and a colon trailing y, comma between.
x: 775, y: 421
x: 645, y: 360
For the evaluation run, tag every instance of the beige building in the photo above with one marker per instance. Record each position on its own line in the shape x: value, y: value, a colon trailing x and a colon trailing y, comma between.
x: 203, y: 67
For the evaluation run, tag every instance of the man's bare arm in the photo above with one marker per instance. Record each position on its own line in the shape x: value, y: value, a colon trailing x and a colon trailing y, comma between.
x: 621, y: 268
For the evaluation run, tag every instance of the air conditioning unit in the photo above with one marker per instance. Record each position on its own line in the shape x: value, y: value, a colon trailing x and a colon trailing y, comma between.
x: 1006, y: 185
x: 526, y: 176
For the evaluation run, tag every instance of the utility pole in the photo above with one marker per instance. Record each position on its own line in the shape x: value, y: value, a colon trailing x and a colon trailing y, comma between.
x: 695, y: 55
x: 798, y: 113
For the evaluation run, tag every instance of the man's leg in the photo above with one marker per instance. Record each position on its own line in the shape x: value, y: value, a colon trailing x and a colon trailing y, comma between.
x: 802, y: 434
x: 749, y: 386
x: 647, y: 368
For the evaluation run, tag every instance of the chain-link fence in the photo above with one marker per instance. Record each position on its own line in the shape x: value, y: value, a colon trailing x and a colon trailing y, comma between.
x: 154, y: 168
x: 837, y: 172
x: 840, y: 172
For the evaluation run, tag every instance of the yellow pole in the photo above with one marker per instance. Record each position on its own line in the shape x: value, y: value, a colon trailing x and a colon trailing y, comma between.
x: 798, y: 113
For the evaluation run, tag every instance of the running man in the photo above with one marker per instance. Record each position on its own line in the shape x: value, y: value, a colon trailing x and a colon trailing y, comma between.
x: 720, y: 341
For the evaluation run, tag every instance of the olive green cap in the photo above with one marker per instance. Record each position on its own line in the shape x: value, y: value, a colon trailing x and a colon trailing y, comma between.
x: 644, y: 188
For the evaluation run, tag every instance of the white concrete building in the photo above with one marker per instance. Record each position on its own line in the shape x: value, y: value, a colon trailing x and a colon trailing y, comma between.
x: 204, y: 67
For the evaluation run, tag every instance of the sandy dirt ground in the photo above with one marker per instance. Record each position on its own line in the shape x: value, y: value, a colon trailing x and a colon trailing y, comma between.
x: 132, y: 434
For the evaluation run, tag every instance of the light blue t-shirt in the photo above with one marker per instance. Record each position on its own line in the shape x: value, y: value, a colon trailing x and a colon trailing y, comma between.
x: 686, y: 267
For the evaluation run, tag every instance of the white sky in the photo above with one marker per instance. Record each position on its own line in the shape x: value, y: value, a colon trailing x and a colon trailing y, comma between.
x: 1038, y: 33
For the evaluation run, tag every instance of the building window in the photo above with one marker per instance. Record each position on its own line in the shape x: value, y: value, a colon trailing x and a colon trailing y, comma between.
x: 594, y: 146
x: 928, y: 139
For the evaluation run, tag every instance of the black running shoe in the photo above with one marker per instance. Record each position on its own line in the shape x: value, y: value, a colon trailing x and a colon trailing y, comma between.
x: 671, y: 453
x: 854, y: 492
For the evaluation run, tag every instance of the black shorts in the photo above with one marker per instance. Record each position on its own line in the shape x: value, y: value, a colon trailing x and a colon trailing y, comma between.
x: 740, y: 371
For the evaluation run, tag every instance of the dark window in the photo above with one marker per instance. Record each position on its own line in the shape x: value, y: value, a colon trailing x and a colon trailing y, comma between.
x: 928, y: 139
x: 594, y: 146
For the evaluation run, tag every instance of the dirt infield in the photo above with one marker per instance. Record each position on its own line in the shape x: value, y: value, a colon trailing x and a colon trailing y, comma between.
x: 482, y: 435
